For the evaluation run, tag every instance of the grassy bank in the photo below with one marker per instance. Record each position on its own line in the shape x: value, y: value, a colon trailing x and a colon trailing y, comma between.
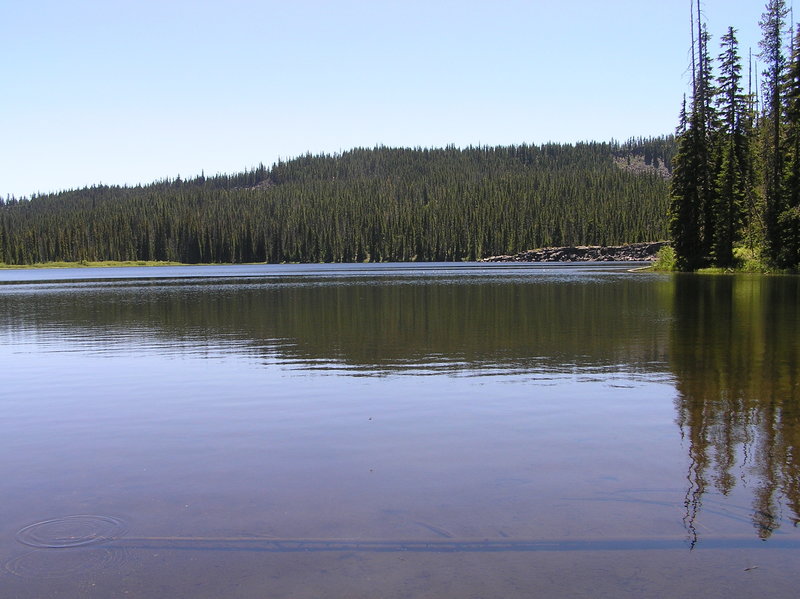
x: 746, y: 260
x: 86, y: 263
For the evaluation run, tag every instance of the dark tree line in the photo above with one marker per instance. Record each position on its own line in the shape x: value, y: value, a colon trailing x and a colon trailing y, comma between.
x: 381, y: 204
x: 737, y: 169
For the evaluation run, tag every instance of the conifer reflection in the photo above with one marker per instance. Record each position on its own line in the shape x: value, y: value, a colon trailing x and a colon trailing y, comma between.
x: 736, y: 358
x: 377, y: 326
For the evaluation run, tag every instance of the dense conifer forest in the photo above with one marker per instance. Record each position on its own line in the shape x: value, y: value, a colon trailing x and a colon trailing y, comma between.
x: 380, y: 204
x: 737, y: 170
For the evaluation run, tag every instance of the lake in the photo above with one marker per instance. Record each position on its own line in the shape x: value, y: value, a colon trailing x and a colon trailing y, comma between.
x: 400, y: 431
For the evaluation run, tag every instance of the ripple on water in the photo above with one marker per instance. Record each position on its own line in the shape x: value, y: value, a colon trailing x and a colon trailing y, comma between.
x: 72, y: 531
x: 40, y: 563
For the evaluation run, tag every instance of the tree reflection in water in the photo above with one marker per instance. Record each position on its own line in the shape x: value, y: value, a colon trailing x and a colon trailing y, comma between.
x: 735, y: 353
x: 733, y: 345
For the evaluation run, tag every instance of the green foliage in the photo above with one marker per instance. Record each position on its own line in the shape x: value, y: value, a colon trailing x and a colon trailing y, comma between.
x: 748, y: 260
x: 381, y: 204
x: 787, y: 224
x: 734, y: 169
x: 692, y: 214
x: 665, y: 260
x: 773, y: 25
x: 736, y: 173
x: 686, y: 200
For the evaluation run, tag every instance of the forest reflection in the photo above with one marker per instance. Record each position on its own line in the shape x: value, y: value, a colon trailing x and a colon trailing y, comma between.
x: 735, y: 354
x: 375, y: 327
x: 729, y: 344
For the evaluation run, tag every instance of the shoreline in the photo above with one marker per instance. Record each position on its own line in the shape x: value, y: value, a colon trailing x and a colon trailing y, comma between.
x: 92, y: 264
x: 630, y: 252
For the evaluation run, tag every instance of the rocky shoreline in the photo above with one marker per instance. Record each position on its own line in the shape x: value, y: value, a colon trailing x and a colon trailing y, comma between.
x: 632, y: 252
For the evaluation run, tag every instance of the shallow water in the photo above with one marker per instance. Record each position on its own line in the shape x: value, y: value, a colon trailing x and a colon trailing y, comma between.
x: 423, y: 430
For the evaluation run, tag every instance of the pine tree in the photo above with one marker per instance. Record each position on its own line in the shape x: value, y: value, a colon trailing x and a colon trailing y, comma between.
x: 706, y: 118
x: 684, y: 209
x: 773, y: 24
x: 734, y: 176
x: 788, y: 254
x: 693, y: 186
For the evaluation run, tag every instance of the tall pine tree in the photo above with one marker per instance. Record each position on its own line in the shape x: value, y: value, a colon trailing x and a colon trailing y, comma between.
x: 735, y: 172
x: 693, y: 187
x: 773, y: 25
x: 788, y: 220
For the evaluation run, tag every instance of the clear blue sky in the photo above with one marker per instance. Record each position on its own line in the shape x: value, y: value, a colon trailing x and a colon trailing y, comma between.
x: 130, y: 91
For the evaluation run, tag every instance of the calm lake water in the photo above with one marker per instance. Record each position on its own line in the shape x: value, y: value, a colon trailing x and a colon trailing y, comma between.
x: 420, y: 431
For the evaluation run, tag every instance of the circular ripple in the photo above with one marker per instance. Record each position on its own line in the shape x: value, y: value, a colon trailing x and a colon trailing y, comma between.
x: 71, y: 531
x: 39, y: 564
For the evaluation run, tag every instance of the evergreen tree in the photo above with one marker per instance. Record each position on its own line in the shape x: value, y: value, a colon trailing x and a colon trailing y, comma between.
x: 693, y: 186
x: 684, y: 210
x: 788, y: 254
x: 734, y: 176
x: 706, y: 119
x: 773, y: 24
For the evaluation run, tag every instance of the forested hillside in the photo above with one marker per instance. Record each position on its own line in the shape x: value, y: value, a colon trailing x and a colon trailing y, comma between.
x: 381, y: 204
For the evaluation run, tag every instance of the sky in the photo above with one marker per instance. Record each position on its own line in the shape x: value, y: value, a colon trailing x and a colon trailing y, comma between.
x: 133, y: 91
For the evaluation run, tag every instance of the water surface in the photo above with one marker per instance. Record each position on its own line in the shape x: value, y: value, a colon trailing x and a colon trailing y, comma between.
x: 398, y: 431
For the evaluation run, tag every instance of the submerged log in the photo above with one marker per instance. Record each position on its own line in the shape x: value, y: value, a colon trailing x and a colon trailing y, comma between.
x: 631, y: 252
